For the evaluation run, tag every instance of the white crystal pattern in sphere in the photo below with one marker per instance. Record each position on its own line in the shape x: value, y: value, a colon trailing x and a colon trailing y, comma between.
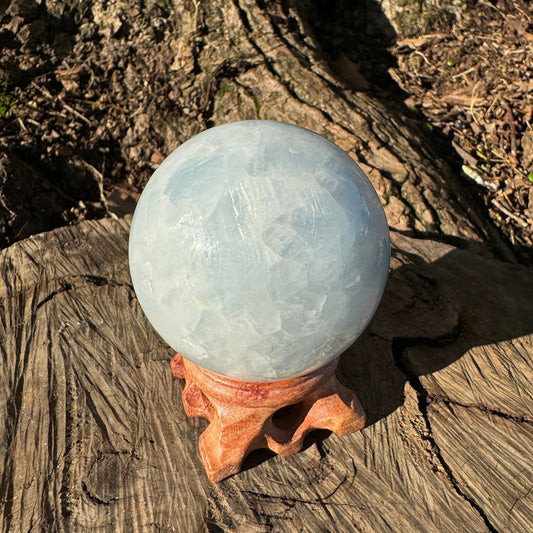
x: 259, y: 250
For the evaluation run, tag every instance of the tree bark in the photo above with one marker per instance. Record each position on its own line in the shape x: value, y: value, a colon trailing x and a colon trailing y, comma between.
x: 165, y: 71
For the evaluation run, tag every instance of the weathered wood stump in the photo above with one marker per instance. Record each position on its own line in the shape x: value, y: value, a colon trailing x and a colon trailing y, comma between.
x: 93, y: 434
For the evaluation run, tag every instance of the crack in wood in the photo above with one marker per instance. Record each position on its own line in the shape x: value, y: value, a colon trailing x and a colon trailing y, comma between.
x: 522, y: 497
x: 67, y: 286
x: 291, y: 501
x: 227, y: 69
x: 436, y: 399
x: 270, y: 66
x: 320, y: 500
x: 423, y: 403
x: 64, y: 288
x: 94, y: 498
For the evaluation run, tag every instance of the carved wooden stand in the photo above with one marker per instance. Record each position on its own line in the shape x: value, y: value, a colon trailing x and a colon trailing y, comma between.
x: 245, y: 416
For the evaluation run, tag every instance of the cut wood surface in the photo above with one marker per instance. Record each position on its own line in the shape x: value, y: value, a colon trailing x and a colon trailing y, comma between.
x: 93, y: 435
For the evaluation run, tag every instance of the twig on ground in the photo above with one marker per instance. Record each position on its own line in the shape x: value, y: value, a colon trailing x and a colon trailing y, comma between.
x: 512, y: 126
x: 475, y: 176
x: 521, y: 222
x: 77, y: 113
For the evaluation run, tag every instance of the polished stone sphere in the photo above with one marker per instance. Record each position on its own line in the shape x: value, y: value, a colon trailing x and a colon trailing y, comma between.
x: 259, y: 250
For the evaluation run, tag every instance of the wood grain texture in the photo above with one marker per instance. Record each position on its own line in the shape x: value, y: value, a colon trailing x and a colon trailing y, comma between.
x: 93, y: 434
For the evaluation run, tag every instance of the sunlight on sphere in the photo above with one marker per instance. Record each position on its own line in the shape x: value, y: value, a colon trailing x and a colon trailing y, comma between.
x: 259, y: 250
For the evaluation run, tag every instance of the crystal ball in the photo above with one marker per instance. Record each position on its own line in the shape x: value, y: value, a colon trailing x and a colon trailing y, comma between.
x: 259, y: 250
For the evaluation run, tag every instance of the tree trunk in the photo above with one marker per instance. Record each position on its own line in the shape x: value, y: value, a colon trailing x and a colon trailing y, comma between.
x: 162, y: 72
x: 92, y: 430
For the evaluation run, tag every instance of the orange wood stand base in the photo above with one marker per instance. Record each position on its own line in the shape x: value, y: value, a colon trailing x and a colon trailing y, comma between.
x: 245, y: 416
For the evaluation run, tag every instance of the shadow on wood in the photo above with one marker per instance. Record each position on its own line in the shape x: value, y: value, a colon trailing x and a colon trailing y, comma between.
x: 433, y: 313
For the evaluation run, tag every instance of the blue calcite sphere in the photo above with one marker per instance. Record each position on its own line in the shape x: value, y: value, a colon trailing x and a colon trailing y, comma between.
x: 259, y: 250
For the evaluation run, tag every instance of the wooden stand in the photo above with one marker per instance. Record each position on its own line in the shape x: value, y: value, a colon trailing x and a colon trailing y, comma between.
x: 245, y: 416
